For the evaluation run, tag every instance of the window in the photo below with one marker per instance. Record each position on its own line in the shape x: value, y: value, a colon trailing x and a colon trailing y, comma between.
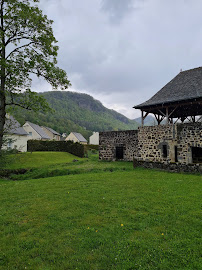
x: 197, y: 154
x: 119, y: 152
x: 165, y: 151
x: 9, y: 145
x: 30, y: 133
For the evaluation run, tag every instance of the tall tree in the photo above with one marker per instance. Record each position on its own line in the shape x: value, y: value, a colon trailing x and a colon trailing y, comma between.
x: 27, y: 46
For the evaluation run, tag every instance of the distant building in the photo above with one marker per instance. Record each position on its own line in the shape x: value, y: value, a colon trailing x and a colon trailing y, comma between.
x: 76, y: 137
x: 54, y: 135
x: 35, y: 132
x: 64, y: 135
x: 94, y: 139
x: 15, y: 137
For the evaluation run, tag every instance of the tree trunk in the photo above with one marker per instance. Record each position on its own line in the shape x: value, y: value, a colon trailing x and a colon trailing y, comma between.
x: 2, y: 110
x: 3, y: 78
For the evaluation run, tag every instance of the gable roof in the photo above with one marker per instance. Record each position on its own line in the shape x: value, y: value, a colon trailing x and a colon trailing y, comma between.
x: 187, y: 85
x: 39, y: 130
x: 79, y: 137
x: 12, y: 126
x: 52, y: 130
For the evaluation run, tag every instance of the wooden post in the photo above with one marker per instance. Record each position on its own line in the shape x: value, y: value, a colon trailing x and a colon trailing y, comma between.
x: 142, y: 118
x: 167, y: 116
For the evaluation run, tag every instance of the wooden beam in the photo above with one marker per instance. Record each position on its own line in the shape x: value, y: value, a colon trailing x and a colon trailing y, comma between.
x: 173, y: 110
x: 162, y: 112
x: 167, y: 116
x: 198, y: 120
x: 171, y: 105
x: 176, y: 120
x: 142, y: 118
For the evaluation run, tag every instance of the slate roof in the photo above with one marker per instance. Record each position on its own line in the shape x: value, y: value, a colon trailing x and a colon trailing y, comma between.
x: 39, y: 130
x: 53, y: 131
x: 79, y: 137
x: 12, y: 126
x: 187, y: 85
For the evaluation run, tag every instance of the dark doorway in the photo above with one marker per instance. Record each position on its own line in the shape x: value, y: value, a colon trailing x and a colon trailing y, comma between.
x: 197, y: 154
x: 165, y: 151
x: 176, y: 154
x: 119, y: 152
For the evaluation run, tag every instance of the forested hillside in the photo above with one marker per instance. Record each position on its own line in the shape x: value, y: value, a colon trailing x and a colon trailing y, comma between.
x: 76, y: 112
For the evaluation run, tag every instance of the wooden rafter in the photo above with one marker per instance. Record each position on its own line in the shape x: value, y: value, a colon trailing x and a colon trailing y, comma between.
x: 198, y: 120
x: 144, y: 116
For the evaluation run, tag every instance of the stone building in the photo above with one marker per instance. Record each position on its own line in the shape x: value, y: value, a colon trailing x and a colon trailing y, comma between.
x: 178, y: 142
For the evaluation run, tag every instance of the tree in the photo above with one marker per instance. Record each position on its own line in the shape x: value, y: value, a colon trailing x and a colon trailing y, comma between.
x: 27, y: 46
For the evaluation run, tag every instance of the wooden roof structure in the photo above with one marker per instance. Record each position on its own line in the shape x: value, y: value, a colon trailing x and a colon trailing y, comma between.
x: 181, y: 98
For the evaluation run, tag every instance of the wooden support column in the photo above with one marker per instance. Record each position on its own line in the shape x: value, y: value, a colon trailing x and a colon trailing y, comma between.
x: 142, y: 118
x: 167, y: 116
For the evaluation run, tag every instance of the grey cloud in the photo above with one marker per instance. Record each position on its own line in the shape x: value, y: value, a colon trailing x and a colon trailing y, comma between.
x: 117, y: 9
x: 125, y: 65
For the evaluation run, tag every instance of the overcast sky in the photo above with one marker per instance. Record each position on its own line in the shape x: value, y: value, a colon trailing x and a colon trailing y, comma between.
x: 123, y: 51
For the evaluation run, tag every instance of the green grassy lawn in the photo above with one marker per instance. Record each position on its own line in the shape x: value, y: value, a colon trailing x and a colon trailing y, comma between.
x: 103, y: 219
x: 38, y: 159
x: 46, y: 164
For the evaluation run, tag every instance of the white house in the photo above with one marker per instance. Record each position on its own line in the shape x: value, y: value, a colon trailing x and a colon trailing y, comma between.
x: 76, y: 137
x: 54, y: 135
x: 35, y: 132
x: 15, y: 137
x: 94, y: 139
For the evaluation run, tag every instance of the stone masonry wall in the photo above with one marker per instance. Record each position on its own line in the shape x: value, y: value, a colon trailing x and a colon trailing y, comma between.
x: 108, y: 142
x: 182, y: 136
x: 188, y: 136
x: 172, y: 167
x: 148, y: 143
x: 151, y: 140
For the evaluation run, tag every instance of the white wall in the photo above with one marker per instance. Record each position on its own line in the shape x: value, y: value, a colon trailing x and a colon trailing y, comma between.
x: 71, y: 137
x: 18, y: 142
x: 94, y: 139
x: 34, y: 135
x: 51, y: 135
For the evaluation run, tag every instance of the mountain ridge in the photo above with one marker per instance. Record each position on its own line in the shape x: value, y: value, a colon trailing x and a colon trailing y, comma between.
x: 76, y: 112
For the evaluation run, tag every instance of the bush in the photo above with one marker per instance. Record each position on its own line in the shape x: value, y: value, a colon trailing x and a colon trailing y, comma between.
x: 76, y: 149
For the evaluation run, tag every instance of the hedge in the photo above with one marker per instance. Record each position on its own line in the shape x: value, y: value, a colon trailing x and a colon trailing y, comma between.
x: 76, y: 149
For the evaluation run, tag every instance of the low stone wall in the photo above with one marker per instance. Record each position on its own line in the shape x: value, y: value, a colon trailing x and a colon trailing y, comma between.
x: 173, y: 167
x: 109, y: 140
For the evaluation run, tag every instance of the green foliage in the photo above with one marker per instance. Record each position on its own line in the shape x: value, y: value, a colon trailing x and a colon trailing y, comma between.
x: 76, y: 149
x: 76, y: 112
x: 30, y: 36
x: 27, y: 46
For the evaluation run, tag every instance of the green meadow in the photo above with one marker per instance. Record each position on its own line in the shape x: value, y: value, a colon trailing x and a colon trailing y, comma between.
x: 66, y: 213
